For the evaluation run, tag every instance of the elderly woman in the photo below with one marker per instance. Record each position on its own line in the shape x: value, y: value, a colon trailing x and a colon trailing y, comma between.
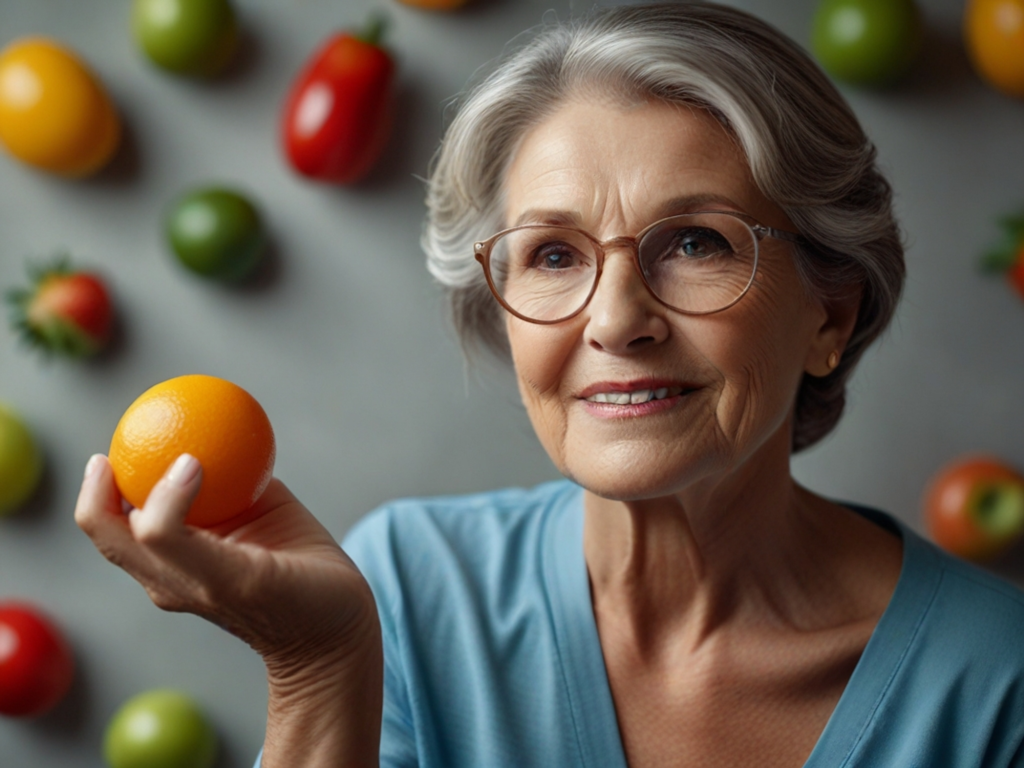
x: 673, y: 225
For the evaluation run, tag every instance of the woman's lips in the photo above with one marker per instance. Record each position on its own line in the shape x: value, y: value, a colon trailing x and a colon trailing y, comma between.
x: 633, y: 398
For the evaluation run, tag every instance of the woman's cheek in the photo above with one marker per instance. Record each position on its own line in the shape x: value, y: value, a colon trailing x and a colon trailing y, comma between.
x: 540, y: 354
x: 760, y: 373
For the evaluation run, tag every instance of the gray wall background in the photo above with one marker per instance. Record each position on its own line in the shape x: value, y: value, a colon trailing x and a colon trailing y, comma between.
x: 345, y: 343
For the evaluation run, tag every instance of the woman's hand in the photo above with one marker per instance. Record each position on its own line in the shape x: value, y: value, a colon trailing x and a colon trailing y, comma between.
x: 272, y: 576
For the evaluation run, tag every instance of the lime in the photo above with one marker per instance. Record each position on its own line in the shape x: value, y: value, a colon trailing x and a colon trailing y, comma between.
x: 216, y: 233
x: 867, y: 42
x: 188, y: 37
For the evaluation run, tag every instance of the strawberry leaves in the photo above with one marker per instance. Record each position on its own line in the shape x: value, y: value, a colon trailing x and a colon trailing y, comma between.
x: 63, y: 311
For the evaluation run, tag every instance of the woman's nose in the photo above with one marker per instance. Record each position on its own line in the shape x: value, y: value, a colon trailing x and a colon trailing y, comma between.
x: 622, y: 315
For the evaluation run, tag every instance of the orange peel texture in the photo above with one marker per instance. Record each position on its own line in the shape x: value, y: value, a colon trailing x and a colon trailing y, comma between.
x: 216, y: 421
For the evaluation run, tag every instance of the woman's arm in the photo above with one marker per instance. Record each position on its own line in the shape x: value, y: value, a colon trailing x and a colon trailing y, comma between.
x: 273, y: 577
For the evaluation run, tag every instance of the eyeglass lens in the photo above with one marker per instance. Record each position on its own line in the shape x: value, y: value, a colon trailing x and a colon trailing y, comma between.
x: 694, y: 263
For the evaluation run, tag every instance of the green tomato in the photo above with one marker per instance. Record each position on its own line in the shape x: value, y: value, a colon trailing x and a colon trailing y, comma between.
x: 188, y: 37
x: 160, y: 729
x: 21, y: 464
x: 216, y: 233
x: 867, y: 42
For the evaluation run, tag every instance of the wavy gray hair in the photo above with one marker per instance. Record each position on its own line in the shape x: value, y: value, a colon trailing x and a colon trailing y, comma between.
x: 806, y: 150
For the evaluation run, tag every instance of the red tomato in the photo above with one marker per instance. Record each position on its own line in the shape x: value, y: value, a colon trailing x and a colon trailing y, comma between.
x: 974, y: 507
x: 36, y: 666
x: 338, y: 115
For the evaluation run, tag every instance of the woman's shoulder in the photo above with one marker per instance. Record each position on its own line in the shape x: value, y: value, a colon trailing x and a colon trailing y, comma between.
x: 429, y: 535
x: 471, y: 514
x: 958, y: 584
x: 957, y: 610
x: 942, y: 679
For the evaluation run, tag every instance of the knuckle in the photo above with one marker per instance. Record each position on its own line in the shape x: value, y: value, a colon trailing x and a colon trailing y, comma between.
x: 112, y: 554
x: 149, y: 528
x: 85, y: 521
x: 148, y: 534
x: 166, y: 601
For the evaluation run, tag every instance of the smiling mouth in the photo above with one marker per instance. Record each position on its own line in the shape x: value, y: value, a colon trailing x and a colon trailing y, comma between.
x: 636, y: 397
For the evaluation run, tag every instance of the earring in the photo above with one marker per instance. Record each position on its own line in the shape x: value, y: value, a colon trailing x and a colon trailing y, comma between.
x: 833, y: 360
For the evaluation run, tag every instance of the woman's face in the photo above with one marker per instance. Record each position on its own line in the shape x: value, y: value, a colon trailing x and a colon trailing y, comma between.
x: 731, y: 377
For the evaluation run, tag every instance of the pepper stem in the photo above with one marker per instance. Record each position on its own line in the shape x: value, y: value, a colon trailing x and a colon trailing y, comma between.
x: 374, y: 28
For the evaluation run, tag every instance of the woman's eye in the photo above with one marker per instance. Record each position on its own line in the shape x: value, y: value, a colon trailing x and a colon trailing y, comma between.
x: 553, y: 257
x: 700, y: 243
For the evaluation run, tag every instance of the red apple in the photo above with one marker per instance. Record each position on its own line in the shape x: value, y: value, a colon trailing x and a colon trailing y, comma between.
x: 974, y: 507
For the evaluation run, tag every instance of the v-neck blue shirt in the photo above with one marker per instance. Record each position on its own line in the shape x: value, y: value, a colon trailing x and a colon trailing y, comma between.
x: 492, y: 656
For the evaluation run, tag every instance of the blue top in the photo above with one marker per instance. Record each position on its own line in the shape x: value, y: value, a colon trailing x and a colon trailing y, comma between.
x: 492, y: 656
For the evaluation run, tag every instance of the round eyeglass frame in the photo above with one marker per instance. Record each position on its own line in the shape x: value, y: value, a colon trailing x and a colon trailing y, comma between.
x: 482, y: 252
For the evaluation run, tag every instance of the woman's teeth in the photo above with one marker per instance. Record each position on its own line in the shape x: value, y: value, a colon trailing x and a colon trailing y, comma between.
x: 634, y: 398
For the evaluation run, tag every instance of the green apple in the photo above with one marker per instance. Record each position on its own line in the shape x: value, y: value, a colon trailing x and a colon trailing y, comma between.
x: 187, y: 37
x: 161, y: 728
x: 867, y: 42
x: 216, y: 233
x: 21, y: 463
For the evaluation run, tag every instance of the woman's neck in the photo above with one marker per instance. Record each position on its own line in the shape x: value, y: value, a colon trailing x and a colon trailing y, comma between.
x: 752, y: 550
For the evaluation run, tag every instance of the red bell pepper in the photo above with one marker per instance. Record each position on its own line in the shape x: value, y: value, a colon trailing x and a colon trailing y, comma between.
x: 338, y: 115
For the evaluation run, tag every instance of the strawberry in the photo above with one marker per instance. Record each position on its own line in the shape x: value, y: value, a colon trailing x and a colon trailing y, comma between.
x: 64, y: 311
x: 1008, y: 257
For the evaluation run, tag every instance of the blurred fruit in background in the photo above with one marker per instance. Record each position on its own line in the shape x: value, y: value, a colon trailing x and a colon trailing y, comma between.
x: 161, y: 728
x: 217, y: 233
x: 54, y: 112
x: 974, y: 507
x: 1007, y: 258
x: 994, y: 36
x: 63, y: 311
x: 215, y: 421
x: 435, y: 5
x: 867, y: 42
x: 36, y: 665
x: 338, y: 114
x: 186, y: 37
x: 21, y: 462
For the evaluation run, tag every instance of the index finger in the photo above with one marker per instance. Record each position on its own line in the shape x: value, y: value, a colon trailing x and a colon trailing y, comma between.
x: 99, y: 513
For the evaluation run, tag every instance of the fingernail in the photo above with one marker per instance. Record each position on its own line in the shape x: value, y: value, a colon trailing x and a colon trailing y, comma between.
x: 93, y: 464
x: 184, y: 469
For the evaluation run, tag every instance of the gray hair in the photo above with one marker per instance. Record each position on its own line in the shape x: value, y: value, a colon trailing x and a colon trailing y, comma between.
x: 806, y: 150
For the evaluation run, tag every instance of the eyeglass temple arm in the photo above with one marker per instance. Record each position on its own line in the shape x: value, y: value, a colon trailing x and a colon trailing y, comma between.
x: 779, y: 234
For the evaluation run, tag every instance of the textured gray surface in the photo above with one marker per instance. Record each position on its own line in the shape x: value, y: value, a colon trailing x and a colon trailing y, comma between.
x: 345, y: 344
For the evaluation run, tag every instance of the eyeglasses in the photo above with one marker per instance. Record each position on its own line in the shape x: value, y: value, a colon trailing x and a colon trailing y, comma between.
x: 695, y: 263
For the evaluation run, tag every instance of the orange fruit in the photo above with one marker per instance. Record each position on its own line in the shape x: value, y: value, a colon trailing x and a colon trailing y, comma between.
x: 216, y: 421
x: 994, y: 34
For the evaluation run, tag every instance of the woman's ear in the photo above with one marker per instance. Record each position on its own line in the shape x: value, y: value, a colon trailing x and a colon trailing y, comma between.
x: 831, y: 336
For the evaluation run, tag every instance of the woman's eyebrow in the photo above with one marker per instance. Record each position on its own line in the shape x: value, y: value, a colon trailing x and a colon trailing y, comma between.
x: 672, y: 206
x: 547, y: 216
x: 695, y: 202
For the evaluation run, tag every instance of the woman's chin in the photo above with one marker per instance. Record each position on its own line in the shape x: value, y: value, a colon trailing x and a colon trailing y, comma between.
x: 633, y: 484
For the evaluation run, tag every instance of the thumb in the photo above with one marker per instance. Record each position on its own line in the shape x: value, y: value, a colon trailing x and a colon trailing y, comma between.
x: 162, y: 517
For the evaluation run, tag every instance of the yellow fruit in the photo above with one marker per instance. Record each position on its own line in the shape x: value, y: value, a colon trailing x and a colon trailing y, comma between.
x: 54, y: 113
x: 216, y: 421
x: 994, y: 35
x: 21, y: 465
